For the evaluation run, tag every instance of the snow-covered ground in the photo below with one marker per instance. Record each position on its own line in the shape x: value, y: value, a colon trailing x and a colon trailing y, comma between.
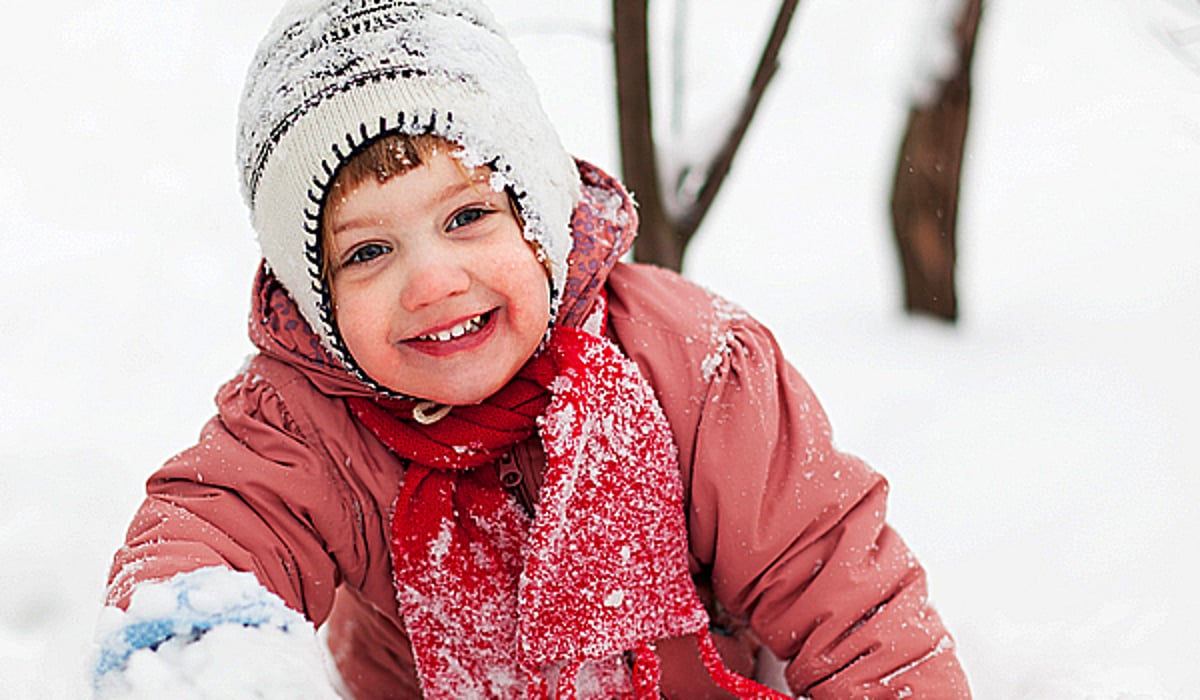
x: 1041, y: 453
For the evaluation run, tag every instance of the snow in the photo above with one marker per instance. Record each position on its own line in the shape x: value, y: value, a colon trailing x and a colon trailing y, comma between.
x: 1041, y: 453
x: 223, y: 625
x: 935, y: 55
x: 721, y: 341
x: 611, y: 205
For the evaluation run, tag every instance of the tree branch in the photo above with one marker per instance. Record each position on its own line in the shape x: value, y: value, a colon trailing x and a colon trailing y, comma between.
x: 718, y: 169
x: 925, y: 191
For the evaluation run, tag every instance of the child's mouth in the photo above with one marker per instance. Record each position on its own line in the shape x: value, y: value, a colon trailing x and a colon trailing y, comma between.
x: 463, y: 328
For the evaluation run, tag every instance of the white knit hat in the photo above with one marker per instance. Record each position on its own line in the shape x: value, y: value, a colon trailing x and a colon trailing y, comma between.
x: 332, y: 76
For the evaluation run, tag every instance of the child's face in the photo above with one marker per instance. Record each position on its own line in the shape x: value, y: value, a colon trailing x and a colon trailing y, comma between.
x: 436, y: 292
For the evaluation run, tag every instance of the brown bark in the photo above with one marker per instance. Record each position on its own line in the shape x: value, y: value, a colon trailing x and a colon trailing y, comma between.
x: 657, y: 238
x: 662, y: 239
x: 926, y: 189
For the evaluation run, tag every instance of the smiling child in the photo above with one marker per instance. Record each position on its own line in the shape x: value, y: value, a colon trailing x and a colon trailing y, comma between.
x: 485, y: 457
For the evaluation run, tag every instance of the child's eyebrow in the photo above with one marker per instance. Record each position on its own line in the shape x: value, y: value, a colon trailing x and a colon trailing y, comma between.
x: 450, y: 191
x: 357, y: 222
x: 454, y: 189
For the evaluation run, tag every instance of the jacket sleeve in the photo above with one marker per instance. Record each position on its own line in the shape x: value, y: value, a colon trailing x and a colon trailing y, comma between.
x: 257, y: 494
x: 794, y: 536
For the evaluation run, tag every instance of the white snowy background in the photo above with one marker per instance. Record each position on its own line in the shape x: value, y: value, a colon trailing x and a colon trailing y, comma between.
x: 1042, y: 453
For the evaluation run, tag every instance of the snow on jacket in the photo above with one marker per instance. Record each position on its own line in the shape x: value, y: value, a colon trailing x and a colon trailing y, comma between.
x: 788, y: 541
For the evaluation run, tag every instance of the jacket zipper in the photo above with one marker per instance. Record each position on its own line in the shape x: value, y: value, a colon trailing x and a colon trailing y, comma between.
x: 520, y: 470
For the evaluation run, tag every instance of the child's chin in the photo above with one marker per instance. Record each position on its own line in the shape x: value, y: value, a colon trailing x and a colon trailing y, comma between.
x: 476, y: 393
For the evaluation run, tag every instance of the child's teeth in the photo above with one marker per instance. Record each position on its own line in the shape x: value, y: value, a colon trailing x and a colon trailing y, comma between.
x: 468, y: 326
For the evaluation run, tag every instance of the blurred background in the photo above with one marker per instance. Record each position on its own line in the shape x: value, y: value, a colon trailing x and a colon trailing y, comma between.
x: 1042, y: 450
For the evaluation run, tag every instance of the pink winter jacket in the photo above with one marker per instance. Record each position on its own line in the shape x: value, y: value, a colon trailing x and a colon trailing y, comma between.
x: 788, y: 540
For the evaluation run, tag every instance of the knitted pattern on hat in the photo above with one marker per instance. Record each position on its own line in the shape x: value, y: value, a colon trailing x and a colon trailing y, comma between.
x: 332, y: 76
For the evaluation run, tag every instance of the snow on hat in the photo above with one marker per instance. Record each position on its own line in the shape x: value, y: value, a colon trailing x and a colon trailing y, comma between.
x: 332, y: 76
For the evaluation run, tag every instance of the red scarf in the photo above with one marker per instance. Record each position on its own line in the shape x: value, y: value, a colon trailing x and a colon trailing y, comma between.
x: 498, y: 607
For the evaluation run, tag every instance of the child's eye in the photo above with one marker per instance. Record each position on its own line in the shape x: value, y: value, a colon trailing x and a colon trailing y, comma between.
x: 466, y: 217
x: 366, y: 253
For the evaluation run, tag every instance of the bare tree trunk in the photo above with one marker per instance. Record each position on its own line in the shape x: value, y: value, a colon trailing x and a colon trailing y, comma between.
x: 658, y: 241
x: 663, y: 238
x: 926, y: 189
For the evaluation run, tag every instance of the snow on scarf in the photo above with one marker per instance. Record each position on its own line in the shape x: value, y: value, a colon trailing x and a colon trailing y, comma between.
x: 496, y: 606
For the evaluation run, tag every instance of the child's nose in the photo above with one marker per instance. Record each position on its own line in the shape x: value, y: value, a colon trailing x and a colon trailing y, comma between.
x: 435, y: 275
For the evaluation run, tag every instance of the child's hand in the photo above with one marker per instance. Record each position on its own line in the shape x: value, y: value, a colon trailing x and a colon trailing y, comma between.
x: 208, y: 633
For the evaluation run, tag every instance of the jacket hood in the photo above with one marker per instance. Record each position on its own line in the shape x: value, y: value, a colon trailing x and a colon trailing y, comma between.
x: 603, y: 225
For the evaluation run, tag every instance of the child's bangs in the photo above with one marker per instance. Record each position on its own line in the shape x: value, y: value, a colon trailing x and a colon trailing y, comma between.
x: 391, y: 155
